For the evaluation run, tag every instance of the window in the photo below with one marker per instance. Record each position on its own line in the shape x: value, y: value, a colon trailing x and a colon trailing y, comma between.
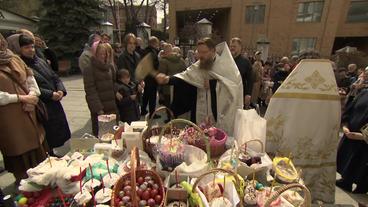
x: 255, y: 14
x: 358, y: 11
x: 310, y: 11
x: 302, y: 44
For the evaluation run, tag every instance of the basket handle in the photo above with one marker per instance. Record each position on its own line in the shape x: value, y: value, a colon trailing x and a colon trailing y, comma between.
x: 254, y: 140
x: 307, y: 195
x: 176, y: 121
x: 149, y: 122
x: 135, y: 163
x: 291, y: 166
x: 215, y: 170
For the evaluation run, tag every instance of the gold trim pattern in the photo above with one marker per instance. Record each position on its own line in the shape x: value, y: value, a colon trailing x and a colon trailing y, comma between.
x: 316, y: 60
x: 314, y: 81
x: 307, y: 96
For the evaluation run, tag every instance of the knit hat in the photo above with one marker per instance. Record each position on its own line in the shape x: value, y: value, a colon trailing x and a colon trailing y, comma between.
x: 25, y: 40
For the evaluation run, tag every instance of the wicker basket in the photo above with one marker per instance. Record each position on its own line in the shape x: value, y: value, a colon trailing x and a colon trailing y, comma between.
x: 217, y: 145
x: 282, y: 177
x: 169, y: 126
x: 307, y: 194
x: 253, y: 140
x: 153, y: 131
x: 132, y: 176
x: 237, y: 182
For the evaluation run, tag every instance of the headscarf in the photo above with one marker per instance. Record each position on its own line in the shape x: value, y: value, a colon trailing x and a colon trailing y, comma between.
x: 5, y: 54
x: 18, y: 68
x: 13, y: 43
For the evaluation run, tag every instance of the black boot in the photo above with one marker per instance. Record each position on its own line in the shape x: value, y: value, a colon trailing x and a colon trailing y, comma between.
x: 360, y: 189
x: 344, y: 185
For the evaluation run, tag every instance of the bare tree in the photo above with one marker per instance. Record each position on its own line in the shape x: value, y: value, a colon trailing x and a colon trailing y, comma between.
x: 114, y: 6
x: 164, y: 6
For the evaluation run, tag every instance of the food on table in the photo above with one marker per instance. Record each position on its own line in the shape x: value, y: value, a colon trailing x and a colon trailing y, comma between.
x: 83, y: 197
x: 109, y: 180
x: 171, y: 154
x: 220, y: 202
x: 177, y: 204
x: 148, y: 192
x: 285, y: 170
x: 103, y: 196
x: 250, y: 196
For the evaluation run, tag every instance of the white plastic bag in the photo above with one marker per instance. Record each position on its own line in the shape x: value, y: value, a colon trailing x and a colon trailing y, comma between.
x: 249, y: 125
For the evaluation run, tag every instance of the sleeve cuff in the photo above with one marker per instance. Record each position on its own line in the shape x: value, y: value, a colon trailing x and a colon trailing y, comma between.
x: 13, y: 98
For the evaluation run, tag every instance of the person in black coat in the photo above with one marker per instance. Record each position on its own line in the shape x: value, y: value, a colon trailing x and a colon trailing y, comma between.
x: 52, y: 91
x: 352, y: 153
x: 245, y: 68
x: 281, y: 74
x: 139, y: 47
x: 129, y: 59
x: 45, y: 53
x: 150, y: 88
x: 128, y: 103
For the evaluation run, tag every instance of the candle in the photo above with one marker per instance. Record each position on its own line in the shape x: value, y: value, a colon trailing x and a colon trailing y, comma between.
x: 223, y: 192
x: 48, y: 157
x: 177, y: 178
x: 108, y: 168
x: 272, y: 185
x: 61, y: 196
x: 102, y: 183
x: 80, y: 181
x: 90, y: 168
x: 93, y: 197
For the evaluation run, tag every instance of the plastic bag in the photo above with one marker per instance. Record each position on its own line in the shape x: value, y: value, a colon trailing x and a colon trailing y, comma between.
x: 249, y: 125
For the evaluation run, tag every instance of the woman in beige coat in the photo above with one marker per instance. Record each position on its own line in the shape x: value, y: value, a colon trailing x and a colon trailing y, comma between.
x: 22, y: 136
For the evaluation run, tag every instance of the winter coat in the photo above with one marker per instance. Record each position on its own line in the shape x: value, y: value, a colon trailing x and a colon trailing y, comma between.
x: 129, y: 62
x: 84, y: 60
x: 171, y: 65
x: 128, y: 108
x: 56, y: 127
x: 99, y: 81
x: 20, y: 130
x: 246, y: 72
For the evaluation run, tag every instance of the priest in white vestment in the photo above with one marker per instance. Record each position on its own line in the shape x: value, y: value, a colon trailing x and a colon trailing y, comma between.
x: 212, y: 87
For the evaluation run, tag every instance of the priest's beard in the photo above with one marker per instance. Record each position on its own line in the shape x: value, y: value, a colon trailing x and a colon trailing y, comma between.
x: 206, y: 64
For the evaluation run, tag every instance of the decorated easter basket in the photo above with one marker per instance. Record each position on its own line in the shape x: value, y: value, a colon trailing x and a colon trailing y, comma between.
x: 217, y: 139
x: 131, y: 178
x: 171, y: 151
x: 236, y: 181
x: 285, y: 170
x: 307, y: 195
x: 151, y: 131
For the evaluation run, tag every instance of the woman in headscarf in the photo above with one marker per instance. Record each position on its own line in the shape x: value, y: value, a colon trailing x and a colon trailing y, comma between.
x: 22, y: 136
x: 99, y: 80
x: 51, y: 87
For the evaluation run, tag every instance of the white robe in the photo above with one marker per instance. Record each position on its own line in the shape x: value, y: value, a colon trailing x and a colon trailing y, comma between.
x: 303, y: 118
x: 229, y: 90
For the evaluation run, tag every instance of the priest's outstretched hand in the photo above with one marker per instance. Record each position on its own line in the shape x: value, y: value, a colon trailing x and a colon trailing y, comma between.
x: 162, y: 79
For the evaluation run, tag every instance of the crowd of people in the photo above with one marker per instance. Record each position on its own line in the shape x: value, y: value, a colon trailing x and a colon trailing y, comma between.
x: 203, y: 84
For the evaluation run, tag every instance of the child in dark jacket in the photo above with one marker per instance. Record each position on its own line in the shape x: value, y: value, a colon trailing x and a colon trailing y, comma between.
x: 128, y: 101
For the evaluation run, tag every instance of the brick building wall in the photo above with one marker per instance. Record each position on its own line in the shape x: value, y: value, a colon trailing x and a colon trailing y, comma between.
x: 280, y: 26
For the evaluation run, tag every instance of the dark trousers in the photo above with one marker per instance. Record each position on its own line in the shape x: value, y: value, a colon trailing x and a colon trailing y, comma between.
x: 149, y: 96
x: 94, y: 121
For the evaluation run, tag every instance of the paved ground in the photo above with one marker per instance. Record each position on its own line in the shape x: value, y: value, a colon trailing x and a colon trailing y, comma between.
x: 78, y: 116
